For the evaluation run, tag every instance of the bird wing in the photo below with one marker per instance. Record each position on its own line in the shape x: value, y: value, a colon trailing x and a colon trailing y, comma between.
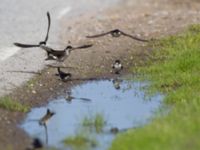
x: 33, y: 72
x: 25, y: 45
x: 98, y: 35
x: 83, y: 46
x: 133, y: 37
x: 49, y: 24
x: 47, y: 48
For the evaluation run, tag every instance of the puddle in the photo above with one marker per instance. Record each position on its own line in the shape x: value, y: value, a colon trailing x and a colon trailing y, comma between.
x: 122, y: 107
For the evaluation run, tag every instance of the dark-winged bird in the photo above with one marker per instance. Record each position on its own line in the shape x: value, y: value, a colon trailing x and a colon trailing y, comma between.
x: 117, y: 33
x: 61, y: 55
x: 63, y: 76
x: 41, y: 42
x: 117, y: 66
x: 69, y: 98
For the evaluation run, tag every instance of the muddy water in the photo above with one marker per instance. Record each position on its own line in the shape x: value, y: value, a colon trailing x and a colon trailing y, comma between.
x: 122, y: 106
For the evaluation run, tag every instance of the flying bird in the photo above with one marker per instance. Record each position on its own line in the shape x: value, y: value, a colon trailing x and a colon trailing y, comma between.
x: 41, y: 42
x: 63, y: 76
x: 117, y: 66
x: 61, y: 55
x: 117, y: 33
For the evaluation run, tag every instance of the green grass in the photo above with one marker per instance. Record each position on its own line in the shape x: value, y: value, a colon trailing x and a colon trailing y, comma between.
x: 85, y: 138
x: 173, y: 69
x: 12, y: 105
x: 80, y: 141
x: 96, y: 121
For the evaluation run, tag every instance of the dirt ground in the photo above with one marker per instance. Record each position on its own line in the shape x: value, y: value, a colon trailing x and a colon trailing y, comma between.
x: 150, y: 19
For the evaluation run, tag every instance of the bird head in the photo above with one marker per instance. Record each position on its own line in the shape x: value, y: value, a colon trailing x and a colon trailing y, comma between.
x: 42, y: 43
x: 69, y: 48
x: 116, y: 33
x: 117, y: 61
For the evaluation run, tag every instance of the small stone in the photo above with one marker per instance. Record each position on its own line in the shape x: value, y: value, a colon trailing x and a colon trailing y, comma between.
x: 102, y: 66
x: 131, y: 58
x: 34, y: 92
x: 146, y: 15
x: 150, y: 22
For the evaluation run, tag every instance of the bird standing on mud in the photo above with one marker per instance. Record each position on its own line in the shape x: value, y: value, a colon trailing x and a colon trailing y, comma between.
x: 117, y: 66
x: 41, y: 43
x: 63, y: 76
x: 117, y: 33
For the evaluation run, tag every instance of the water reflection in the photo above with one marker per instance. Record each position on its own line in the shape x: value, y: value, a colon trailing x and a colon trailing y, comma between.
x: 116, y: 83
x: 69, y: 97
x: 122, y: 108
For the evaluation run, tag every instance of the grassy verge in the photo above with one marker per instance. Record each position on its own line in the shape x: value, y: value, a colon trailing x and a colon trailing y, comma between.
x: 12, y: 105
x: 97, y: 122
x: 80, y: 141
x: 174, y: 69
x: 85, y: 138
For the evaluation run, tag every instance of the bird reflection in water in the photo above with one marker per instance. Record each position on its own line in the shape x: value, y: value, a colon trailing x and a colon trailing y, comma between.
x: 116, y: 83
x: 69, y: 98
x: 44, y: 120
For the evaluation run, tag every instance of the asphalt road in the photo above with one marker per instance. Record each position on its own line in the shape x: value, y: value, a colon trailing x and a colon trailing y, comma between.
x: 25, y: 21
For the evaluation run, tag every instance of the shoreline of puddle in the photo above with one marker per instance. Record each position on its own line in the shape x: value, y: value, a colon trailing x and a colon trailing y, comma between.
x: 121, y: 103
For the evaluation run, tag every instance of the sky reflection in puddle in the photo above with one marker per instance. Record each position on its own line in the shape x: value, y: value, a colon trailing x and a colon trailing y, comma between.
x: 123, y: 108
